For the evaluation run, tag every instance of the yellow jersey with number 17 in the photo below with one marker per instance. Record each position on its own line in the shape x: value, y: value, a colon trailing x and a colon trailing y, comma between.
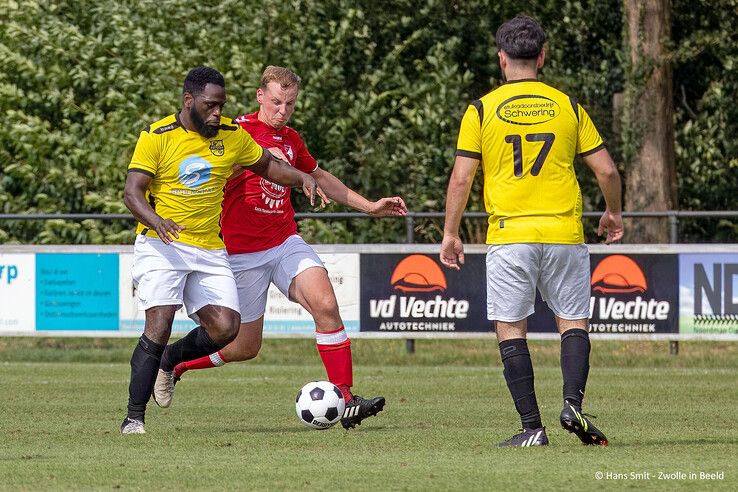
x: 189, y: 175
x: 527, y: 134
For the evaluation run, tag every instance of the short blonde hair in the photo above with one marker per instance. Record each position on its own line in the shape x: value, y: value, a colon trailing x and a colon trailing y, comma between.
x: 285, y: 77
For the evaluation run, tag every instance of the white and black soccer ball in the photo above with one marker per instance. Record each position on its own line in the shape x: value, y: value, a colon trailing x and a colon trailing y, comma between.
x: 319, y: 404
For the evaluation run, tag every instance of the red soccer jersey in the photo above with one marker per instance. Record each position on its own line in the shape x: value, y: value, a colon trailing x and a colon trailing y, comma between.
x: 258, y: 214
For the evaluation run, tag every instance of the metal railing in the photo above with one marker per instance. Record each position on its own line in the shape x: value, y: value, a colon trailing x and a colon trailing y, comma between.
x: 672, y: 215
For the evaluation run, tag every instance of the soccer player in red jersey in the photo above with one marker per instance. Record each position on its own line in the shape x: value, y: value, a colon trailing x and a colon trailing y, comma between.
x: 263, y: 245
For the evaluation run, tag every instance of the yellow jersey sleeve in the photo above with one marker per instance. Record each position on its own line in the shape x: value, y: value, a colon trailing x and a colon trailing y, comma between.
x: 249, y: 152
x: 146, y: 154
x: 588, y: 138
x: 469, y: 143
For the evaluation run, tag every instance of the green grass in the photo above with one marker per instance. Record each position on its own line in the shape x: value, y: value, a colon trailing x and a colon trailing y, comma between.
x: 234, y: 428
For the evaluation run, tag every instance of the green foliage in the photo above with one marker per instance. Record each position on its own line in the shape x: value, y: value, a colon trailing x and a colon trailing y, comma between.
x: 384, y: 86
x: 705, y: 87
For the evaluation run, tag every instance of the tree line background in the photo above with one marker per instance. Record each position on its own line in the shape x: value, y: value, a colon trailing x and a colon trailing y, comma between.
x: 385, y: 84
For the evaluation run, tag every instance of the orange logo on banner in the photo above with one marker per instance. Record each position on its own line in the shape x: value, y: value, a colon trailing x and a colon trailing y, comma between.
x: 618, y: 274
x: 418, y: 273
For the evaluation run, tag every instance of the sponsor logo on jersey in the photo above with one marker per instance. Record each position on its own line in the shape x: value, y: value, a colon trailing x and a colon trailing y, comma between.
x: 528, y: 109
x: 217, y: 148
x: 194, y: 171
x: 272, y: 193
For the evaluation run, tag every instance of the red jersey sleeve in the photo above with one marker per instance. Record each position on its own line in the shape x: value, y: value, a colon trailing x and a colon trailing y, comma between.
x: 304, y: 161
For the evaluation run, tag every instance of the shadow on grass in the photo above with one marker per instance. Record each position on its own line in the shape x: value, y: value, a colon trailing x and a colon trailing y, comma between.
x: 675, y: 442
x: 261, y: 429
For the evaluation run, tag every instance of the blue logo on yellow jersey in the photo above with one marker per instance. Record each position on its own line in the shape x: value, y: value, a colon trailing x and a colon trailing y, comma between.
x: 194, y: 171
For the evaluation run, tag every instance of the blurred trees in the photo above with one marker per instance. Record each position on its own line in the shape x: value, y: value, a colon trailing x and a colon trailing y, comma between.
x: 705, y: 58
x: 384, y: 86
x: 650, y: 173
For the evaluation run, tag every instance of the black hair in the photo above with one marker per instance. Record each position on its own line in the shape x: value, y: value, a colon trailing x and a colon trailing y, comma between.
x: 521, y: 38
x: 199, y: 77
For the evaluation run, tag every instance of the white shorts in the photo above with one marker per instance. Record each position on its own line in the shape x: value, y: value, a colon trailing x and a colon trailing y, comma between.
x: 278, y: 265
x: 559, y: 271
x: 177, y: 273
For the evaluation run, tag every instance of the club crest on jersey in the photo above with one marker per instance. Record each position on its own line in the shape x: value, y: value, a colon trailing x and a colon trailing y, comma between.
x: 288, y: 151
x: 217, y: 148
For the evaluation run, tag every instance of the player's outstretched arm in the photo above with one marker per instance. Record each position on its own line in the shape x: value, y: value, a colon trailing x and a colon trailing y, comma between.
x: 608, y: 179
x: 134, y: 196
x: 459, y: 186
x: 340, y: 193
x: 280, y: 172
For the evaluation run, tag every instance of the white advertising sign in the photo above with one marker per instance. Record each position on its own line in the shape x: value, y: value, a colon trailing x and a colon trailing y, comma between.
x: 285, y: 317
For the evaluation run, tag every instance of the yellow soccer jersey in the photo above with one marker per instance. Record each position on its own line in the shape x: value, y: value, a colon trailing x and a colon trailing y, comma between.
x: 526, y: 135
x: 189, y: 174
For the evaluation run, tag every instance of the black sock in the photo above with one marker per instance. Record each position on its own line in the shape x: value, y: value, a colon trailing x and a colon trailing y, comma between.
x: 575, y: 348
x: 518, y: 374
x: 194, y: 345
x: 144, y: 366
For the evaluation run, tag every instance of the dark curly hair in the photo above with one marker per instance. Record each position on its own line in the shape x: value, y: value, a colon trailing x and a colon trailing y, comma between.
x: 199, y: 77
x: 521, y: 38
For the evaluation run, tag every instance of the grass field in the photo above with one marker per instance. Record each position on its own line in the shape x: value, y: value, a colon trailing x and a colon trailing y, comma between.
x: 234, y: 428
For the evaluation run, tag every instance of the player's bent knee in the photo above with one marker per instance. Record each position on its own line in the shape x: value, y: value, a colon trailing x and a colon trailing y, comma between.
x: 224, y: 331
x: 327, y: 307
x: 230, y: 331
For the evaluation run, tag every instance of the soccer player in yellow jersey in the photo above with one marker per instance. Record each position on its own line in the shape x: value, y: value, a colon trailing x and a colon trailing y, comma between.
x: 174, y: 188
x: 526, y: 135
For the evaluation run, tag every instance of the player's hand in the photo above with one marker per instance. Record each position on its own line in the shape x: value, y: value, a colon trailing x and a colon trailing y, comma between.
x: 277, y: 152
x: 613, y: 224
x: 310, y: 188
x: 388, y: 207
x: 452, y: 252
x: 165, y: 227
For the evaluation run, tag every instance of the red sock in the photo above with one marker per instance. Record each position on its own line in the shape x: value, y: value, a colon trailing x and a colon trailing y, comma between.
x: 212, y: 360
x: 335, y: 351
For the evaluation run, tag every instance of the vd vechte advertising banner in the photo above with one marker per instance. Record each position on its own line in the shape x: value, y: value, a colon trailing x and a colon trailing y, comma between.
x: 631, y: 294
x: 414, y: 293
x: 634, y: 293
